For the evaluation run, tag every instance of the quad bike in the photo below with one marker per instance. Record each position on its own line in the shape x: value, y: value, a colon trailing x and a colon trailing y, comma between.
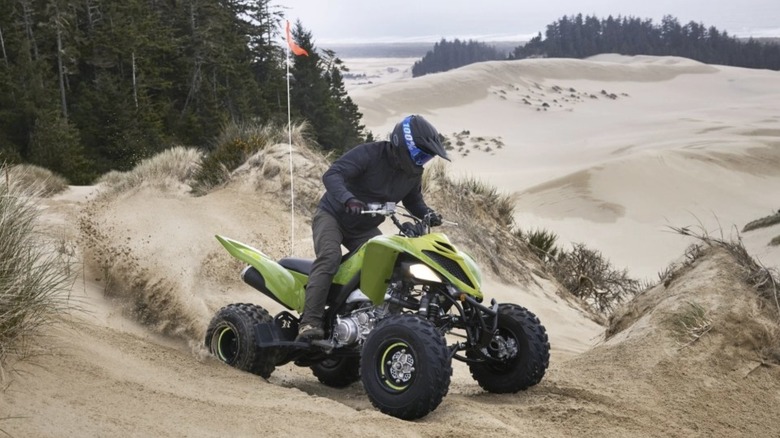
x: 391, y: 304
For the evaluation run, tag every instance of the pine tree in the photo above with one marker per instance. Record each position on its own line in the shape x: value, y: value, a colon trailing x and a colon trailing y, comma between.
x: 317, y: 93
x: 350, y: 131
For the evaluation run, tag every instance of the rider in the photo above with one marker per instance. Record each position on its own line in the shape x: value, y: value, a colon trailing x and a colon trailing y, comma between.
x: 384, y: 171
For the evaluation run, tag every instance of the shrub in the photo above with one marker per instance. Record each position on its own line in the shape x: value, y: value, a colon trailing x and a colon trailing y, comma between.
x: 587, y: 274
x: 767, y: 221
x: 764, y: 281
x: 33, y: 276
x: 236, y: 143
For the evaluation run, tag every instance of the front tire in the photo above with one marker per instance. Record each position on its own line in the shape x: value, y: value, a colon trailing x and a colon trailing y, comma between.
x: 523, y: 338
x: 405, y: 366
x: 231, y: 338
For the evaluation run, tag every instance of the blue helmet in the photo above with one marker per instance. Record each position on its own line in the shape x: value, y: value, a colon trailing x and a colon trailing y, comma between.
x: 419, y: 138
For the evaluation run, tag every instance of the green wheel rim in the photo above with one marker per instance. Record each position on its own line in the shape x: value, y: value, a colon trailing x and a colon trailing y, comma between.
x: 227, y: 344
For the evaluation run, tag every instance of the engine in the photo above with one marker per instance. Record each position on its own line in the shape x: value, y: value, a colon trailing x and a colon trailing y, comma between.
x: 354, y: 327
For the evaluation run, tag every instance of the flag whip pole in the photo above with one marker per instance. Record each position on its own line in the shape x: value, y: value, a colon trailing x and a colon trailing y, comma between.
x: 289, y: 142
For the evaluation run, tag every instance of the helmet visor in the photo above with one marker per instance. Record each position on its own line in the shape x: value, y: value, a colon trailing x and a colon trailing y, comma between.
x: 418, y: 155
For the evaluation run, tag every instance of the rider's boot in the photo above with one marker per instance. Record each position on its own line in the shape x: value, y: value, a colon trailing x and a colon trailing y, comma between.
x: 310, y: 331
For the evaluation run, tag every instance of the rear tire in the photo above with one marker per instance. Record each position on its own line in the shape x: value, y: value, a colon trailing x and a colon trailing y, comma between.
x: 338, y: 372
x: 520, y: 329
x: 231, y: 338
x: 405, y: 366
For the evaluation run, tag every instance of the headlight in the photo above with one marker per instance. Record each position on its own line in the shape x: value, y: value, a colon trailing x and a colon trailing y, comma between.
x: 424, y: 272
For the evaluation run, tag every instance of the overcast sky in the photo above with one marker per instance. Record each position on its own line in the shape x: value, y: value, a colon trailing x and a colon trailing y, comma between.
x: 333, y: 21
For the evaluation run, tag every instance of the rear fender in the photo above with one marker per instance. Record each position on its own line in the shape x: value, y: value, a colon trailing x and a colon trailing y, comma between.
x: 287, y: 287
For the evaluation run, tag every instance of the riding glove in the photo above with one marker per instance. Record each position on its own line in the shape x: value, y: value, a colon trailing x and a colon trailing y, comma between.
x: 433, y: 218
x: 355, y: 206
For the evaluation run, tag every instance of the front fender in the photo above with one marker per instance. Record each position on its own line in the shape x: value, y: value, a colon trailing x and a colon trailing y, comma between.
x: 379, y: 259
x: 381, y: 254
x: 286, y: 287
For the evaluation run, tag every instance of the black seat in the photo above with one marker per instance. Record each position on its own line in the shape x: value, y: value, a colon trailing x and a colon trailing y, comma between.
x: 304, y: 265
x: 296, y: 264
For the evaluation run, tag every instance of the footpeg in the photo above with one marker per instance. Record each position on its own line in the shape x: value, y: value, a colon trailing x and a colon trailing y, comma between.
x: 325, y: 344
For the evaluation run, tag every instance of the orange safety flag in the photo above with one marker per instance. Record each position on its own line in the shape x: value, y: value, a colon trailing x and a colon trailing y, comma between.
x: 298, y: 50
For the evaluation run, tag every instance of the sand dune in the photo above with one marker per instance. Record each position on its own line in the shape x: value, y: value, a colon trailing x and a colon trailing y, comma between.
x: 669, y: 141
x: 624, y: 148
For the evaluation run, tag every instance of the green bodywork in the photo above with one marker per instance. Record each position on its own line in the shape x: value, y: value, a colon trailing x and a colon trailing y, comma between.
x: 381, y: 253
x: 375, y: 261
x: 287, y: 286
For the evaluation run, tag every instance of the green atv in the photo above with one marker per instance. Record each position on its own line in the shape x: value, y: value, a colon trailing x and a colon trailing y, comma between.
x: 391, y: 305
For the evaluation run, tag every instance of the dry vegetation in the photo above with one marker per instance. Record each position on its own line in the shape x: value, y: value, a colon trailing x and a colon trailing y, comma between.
x: 236, y: 144
x: 588, y: 275
x: 691, y: 323
x: 34, y: 275
x: 35, y: 179
x: 764, y: 222
x: 171, y: 167
x: 693, y: 320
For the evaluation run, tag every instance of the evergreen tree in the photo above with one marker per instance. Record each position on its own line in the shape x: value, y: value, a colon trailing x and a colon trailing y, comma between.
x: 92, y: 85
x: 317, y: 93
x: 448, y: 55
x: 579, y: 37
x: 350, y: 131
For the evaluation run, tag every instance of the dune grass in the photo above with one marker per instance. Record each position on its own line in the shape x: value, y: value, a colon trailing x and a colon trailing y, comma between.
x: 764, y: 281
x: 541, y: 241
x: 35, y: 179
x: 690, y: 323
x: 34, y: 276
x: 172, y: 166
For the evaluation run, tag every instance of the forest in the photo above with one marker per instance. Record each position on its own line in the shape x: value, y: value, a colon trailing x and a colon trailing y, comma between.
x: 581, y: 37
x: 447, y: 55
x: 90, y: 86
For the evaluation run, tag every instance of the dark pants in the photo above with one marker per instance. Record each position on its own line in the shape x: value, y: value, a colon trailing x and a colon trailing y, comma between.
x: 328, y: 236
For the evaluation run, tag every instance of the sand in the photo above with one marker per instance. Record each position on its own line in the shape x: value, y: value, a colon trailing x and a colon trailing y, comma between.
x: 680, y: 143
x: 624, y: 148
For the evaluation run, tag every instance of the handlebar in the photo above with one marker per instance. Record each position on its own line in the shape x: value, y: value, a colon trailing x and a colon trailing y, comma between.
x: 378, y: 208
x: 419, y: 226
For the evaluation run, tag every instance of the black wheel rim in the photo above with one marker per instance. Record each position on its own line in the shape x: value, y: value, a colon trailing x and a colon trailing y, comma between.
x: 396, y: 365
x: 504, y: 364
x: 226, y: 343
x: 331, y: 363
